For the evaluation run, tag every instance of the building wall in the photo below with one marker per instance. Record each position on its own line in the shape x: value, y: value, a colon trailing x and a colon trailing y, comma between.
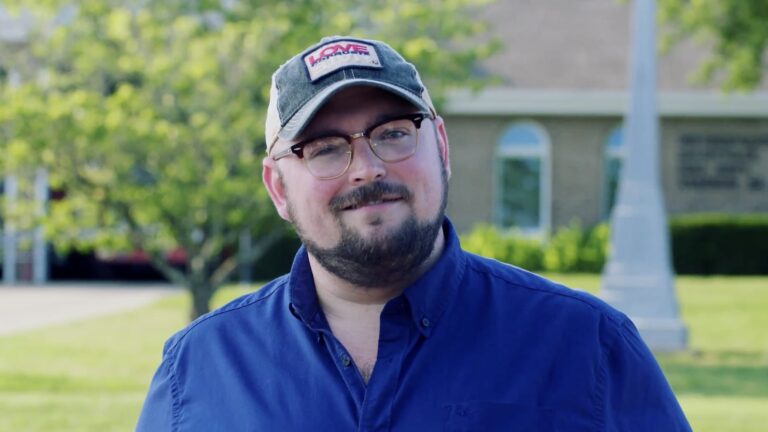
x: 471, y: 141
x: 577, y: 167
x: 715, y: 165
x: 708, y: 165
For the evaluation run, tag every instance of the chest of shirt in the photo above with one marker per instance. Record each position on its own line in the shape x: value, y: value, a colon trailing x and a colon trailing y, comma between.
x: 458, y: 378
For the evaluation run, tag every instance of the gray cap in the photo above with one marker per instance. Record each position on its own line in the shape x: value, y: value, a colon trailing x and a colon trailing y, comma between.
x: 306, y: 81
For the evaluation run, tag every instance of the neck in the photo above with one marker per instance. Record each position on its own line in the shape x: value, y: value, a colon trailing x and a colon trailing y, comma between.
x: 353, y: 312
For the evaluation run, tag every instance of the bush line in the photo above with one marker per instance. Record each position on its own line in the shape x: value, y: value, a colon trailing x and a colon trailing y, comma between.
x: 702, y: 244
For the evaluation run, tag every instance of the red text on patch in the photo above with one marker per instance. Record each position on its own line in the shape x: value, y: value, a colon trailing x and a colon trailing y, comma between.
x: 337, y: 49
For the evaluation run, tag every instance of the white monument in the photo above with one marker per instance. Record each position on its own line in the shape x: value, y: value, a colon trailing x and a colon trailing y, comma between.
x: 638, y: 277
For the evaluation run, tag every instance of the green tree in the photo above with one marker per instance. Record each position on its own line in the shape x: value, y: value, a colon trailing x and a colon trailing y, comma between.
x: 151, y: 118
x: 736, y: 29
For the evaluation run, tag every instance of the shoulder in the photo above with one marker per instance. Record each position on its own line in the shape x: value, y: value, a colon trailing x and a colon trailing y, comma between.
x: 508, y: 280
x: 247, y: 311
x: 547, y: 305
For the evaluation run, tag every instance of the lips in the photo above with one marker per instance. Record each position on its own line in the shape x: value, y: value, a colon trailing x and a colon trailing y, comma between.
x: 369, y: 195
x: 382, y: 200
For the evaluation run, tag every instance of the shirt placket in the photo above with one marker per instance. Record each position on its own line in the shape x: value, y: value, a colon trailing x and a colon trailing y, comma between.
x: 395, y: 339
x: 375, y: 400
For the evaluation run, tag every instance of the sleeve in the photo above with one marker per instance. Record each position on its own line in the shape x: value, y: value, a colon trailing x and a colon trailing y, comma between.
x: 161, y: 407
x: 636, y: 395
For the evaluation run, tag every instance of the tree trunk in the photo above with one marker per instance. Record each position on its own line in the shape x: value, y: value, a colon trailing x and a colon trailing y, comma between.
x: 201, y: 291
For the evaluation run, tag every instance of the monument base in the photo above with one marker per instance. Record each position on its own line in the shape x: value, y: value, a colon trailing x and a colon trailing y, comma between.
x: 662, y: 335
x: 648, y: 299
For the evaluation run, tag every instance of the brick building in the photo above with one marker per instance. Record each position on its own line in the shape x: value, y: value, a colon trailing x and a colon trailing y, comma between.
x: 545, y: 145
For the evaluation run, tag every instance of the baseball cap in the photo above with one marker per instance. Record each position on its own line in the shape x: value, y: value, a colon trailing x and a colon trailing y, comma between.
x: 304, y: 83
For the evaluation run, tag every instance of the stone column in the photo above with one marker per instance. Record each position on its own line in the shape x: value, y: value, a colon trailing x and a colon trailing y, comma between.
x: 638, y: 277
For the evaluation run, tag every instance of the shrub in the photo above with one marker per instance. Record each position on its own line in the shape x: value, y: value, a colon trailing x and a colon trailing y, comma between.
x: 507, y: 246
x: 701, y: 244
x: 526, y: 252
x: 575, y: 249
x: 720, y: 244
x: 569, y: 249
x: 594, y: 249
x: 562, y: 251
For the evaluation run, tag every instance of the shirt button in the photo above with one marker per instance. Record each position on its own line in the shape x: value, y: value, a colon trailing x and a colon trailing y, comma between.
x: 425, y: 322
x: 345, y: 360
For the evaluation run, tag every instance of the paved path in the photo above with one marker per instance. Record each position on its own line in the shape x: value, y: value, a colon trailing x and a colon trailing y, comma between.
x: 26, y: 307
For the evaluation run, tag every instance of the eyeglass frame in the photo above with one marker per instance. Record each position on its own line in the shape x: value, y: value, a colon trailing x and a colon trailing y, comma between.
x: 298, y: 148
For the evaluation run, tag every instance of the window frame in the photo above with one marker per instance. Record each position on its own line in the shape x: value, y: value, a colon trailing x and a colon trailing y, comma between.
x: 541, y: 151
x: 611, y: 153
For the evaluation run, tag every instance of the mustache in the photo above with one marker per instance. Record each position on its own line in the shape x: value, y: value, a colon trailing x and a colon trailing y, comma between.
x: 375, y: 191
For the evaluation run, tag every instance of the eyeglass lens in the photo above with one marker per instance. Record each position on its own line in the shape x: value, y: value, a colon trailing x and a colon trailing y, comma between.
x: 330, y: 157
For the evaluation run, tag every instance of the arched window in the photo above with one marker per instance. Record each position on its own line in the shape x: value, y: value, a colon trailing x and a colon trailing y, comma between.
x: 522, y: 178
x: 613, y: 157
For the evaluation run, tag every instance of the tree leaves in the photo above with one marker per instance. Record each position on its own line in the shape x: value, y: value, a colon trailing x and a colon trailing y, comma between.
x: 736, y: 29
x: 151, y: 118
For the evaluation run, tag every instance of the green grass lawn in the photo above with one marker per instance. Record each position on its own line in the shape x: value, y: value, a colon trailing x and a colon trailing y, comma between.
x: 93, y: 375
x: 722, y: 380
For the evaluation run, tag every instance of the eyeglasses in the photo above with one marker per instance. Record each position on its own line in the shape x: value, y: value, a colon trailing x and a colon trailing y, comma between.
x: 329, y: 157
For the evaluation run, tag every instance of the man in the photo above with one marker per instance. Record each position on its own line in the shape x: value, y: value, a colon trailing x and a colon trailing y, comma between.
x: 384, y: 323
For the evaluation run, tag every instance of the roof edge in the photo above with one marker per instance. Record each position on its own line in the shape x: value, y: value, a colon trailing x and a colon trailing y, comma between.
x: 509, y: 101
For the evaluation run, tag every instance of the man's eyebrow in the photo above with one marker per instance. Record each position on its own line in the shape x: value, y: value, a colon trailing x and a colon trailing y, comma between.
x: 381, y: 118
x: 321, y: 133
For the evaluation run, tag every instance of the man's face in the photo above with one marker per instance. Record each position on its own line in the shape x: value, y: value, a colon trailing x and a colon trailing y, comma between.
x: 378, y: 220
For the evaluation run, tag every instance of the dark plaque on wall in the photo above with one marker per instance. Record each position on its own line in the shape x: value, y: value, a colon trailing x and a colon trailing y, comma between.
x: 723, y: 161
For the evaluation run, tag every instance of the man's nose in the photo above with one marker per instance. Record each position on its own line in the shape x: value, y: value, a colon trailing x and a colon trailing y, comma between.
x: 366, y: 166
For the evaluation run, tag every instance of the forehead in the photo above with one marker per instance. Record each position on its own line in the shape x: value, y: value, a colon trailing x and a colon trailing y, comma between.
x: 352, y: 107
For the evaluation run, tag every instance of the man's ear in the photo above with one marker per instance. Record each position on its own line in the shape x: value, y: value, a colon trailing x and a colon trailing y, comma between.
x: 442, y: 143
x: 273, y: 181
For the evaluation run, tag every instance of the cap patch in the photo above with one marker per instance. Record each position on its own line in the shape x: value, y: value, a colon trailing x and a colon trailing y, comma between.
x: 340, y: 54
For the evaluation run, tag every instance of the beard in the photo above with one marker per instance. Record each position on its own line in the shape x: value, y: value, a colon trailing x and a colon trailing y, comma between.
x: 383, y: 260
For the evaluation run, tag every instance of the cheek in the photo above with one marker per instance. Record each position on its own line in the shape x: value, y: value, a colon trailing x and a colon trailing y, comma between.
x: 438, y: 180
x: 427, y: 187
x: 309, y: 202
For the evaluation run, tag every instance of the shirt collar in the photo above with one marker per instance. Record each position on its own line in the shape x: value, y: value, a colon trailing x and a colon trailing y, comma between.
x: 428, y: 297
x: 302, y: 297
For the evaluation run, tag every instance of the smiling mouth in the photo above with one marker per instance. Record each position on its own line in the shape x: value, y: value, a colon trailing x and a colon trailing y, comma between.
x: 372, y: 194
x: 381, y: 200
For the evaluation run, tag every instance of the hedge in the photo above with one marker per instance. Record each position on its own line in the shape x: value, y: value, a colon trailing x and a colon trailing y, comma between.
x: 569, y: 249
x: 702, y: 244
x: 720, y: 244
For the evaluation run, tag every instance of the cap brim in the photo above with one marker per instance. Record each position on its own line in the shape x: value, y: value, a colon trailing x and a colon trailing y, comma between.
x: 304, y: 115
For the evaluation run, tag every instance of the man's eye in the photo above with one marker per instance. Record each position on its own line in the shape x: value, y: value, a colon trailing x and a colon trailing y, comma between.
x: 393, y: 134
x: 323, y: 148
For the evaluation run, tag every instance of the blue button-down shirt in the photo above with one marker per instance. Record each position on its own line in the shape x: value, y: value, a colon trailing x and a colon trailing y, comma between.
x: 474, y: 345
